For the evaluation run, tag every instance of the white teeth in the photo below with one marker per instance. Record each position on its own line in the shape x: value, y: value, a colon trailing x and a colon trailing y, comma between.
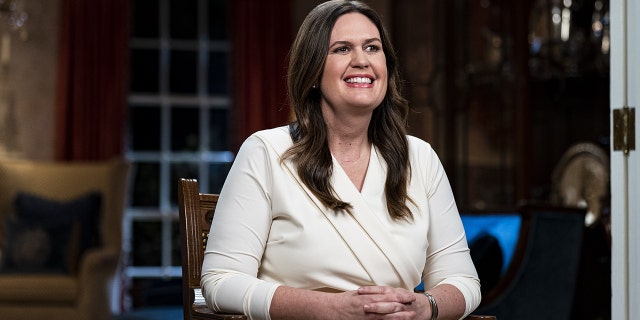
x: 359, y: 80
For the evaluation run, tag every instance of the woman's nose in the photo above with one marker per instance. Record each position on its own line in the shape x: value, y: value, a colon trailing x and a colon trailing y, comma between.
x: 359, y: 59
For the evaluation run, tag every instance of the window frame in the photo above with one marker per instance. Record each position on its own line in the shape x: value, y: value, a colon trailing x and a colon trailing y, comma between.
x: 166, y: 212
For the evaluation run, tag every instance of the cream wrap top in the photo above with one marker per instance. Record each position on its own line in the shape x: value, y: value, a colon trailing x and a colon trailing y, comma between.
x: 269, y: 230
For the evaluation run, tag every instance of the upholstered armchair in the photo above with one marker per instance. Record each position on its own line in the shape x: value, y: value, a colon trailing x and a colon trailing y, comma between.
x: 60, y: 238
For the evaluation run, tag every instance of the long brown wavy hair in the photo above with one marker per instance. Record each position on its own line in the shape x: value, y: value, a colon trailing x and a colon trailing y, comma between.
x: 388, y: 127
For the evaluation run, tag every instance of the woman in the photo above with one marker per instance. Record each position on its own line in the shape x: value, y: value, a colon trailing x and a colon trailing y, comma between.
x: 341, y: 214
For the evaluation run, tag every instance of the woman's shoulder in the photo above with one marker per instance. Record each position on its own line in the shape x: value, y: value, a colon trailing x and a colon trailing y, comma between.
x: 417, y: 144
x: 278, y: 138
x: 278, y: 134
x: 421, y: 152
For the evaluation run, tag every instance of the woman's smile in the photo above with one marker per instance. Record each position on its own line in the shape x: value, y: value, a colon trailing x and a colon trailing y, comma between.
x: 359, y: 81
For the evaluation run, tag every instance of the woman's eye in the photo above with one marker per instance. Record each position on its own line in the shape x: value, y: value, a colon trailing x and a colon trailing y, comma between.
x: 341, y: 50
x: 371, y: 48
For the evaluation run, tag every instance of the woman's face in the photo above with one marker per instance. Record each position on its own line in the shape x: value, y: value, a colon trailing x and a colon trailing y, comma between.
x: 355, y: 72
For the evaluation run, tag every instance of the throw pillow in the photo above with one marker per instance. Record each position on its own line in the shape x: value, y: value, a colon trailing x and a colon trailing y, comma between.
x: 50, y: 236
x: 35, y: 247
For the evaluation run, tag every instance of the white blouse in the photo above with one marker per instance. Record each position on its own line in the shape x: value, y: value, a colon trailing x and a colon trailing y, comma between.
x: 269, y: 230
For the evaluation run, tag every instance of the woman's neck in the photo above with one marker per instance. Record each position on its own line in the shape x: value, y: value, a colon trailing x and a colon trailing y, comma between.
x: 347, y: 135
x: 349, y: 151
x: 348, y: 146
x: 352, y: 150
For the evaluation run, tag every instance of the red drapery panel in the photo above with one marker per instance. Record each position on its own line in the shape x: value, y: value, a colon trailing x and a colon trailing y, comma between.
x: 261, y: 37
x: 92, y: 79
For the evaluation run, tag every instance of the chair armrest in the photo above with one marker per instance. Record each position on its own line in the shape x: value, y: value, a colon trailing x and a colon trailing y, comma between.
x: 98, y: 263
x: 97, y: 269
x: 200, y: 310
x: 479, y: 317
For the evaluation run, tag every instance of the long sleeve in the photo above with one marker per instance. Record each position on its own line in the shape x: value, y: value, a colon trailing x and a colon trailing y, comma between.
x: 448, y: 258
x: 238, y: 236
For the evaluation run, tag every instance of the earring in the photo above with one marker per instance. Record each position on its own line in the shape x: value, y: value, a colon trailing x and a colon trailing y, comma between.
x: 314, y: 86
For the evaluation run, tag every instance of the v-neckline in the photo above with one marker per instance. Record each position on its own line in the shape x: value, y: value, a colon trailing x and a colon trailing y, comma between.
x: 367, y: 171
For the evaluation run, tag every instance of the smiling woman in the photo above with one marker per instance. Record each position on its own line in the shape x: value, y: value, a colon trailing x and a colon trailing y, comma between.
x: 341, y: 213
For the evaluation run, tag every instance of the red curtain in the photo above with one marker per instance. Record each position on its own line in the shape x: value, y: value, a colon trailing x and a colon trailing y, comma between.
x: 92, y: 79
x: 261, y: 37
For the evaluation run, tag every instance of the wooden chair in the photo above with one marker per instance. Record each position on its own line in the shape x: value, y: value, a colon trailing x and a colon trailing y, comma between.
x: 196, y: 213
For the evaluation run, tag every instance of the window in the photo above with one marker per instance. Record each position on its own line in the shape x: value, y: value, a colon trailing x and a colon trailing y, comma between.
x: 178, y: 123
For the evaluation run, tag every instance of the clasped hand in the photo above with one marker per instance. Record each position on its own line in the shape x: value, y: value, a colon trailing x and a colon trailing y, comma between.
x: 383, y: 302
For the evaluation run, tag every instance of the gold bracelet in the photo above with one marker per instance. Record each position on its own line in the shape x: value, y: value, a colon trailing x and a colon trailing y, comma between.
x: 434, y: 306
